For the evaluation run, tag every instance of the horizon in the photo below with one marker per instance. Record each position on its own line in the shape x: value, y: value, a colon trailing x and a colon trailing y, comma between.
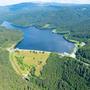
x: 8, y: 2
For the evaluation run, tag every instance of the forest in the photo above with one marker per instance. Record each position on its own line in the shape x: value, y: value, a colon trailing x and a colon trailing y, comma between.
x: 60, y: 73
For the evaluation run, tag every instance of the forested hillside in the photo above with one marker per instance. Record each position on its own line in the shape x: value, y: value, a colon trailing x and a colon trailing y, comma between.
x: 9, y: 80
x: 63, y: 74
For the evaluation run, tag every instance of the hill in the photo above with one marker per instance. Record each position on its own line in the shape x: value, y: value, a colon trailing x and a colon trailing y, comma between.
x: 59, y: 73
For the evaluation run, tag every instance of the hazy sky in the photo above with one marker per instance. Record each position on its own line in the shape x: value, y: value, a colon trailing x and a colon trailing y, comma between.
x: 7, y: 2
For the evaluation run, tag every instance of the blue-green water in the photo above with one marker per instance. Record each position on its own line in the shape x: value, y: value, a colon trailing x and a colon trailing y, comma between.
x: 45, y: 40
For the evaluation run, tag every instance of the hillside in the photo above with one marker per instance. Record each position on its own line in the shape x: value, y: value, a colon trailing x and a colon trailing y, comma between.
x: 8, y: 78
x: 58, y: 73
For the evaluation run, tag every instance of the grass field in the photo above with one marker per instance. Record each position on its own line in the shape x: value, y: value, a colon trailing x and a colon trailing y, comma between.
x: 24, y: 61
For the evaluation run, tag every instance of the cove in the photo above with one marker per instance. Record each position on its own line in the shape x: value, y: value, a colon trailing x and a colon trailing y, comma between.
x: 43, y: 40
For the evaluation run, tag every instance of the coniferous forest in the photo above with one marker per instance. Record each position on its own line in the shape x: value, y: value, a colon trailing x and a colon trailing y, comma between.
x: 59, y: 73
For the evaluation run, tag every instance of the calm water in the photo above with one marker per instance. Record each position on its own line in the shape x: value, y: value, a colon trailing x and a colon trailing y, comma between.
x: 35, y: 39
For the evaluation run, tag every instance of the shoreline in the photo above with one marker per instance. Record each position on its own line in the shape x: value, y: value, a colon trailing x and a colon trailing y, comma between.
x: 77, y: 45
x: 65, y: 36
x: 72, y: 54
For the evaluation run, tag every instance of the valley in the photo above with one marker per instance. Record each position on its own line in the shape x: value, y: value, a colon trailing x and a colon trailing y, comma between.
x: 41, y: 68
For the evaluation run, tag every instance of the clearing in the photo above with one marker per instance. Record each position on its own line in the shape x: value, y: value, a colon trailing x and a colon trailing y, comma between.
x: 26, y: 61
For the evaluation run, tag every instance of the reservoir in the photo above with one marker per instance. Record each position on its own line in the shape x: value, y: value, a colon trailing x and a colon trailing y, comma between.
x: 44, y: 40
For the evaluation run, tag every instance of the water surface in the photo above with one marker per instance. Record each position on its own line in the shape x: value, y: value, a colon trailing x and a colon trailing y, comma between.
x: 44, y: 40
